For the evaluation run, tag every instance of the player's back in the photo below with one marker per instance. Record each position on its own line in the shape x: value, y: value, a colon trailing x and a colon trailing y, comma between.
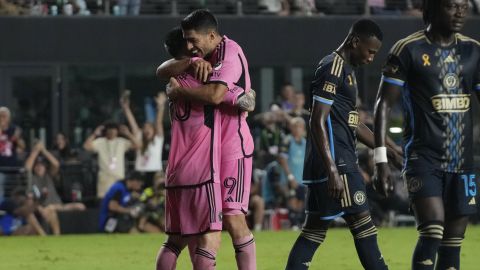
x: 230, y: 67
x: 195, y: 140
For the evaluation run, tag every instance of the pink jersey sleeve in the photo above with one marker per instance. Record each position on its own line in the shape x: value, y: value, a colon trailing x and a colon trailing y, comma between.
x: 229, y: 66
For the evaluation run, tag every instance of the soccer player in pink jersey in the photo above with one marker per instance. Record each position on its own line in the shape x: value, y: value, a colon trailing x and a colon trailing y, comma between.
x: 227, y: 76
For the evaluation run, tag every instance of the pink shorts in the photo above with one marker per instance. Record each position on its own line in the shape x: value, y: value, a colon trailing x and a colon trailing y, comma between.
x: 236, y: 178
x: 193, y: 210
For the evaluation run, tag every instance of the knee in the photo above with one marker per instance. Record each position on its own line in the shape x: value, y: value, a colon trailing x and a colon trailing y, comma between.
x: 236, y: 225
x: 362, y: 227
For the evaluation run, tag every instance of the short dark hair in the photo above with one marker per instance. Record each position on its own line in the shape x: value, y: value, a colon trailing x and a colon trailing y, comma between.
x: 200, y: 20
x: 366, y: 28
x: 135, y: 176
x: 111, y: 125
x: 174, y: 42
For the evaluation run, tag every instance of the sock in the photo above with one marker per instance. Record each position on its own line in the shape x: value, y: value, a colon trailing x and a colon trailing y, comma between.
x: 431, y: 233
x: 204, y: 259
x: 245, y: 253
x: 449, y: 254
x: 365, y: 237
x: 304, y: 248
x: 167, y: 257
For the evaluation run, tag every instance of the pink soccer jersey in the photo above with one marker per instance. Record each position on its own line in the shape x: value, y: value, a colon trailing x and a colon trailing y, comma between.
x: 230, y: 68
x: 195, y: 144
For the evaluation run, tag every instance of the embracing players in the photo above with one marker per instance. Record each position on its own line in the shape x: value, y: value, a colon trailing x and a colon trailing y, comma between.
x: 226, y: 79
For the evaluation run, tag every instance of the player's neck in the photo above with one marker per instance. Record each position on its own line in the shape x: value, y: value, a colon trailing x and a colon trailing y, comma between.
x: 439, y: 36
x: 344, y: 52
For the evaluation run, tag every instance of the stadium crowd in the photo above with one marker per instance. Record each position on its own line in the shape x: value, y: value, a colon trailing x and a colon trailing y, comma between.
x: 265, y: 7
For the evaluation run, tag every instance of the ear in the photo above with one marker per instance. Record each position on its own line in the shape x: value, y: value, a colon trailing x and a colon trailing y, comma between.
x: 355, y: 41
x: 212, y: 35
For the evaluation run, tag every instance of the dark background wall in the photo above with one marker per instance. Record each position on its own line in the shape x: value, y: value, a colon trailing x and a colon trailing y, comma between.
x: 267, y: 41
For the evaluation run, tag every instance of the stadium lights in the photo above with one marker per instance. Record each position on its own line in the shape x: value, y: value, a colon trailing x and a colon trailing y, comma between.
x: 395, y: 130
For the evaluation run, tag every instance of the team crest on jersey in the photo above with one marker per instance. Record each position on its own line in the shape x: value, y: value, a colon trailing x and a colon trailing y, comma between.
x: 217, y: 66
x: 359, y: 197
x: 414, y: 184
x: 451, y: 81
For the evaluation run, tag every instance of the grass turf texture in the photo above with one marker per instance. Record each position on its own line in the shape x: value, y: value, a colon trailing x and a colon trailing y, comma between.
x: 122, y: 252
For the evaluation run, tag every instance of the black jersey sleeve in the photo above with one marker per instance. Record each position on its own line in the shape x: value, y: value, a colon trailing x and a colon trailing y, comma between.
x: 395, y: 69
x: 326, y: 81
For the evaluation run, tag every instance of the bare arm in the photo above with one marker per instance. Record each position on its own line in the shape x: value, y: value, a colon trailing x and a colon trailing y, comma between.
x: 88, y: 144
x: 387, y: 96
x: 319, y: 133
x: 125, y: 104
x: 32, y: 157
x: 161, y: 100
x: 173, y: 67
x: 123, y: 130
x: 283, y: 161
x: 114, y: 206
x: 55, y: 165
x: 212, y: 93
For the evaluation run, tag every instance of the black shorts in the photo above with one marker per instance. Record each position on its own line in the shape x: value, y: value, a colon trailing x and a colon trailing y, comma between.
x: 457, y: 190
x: 354, y: 199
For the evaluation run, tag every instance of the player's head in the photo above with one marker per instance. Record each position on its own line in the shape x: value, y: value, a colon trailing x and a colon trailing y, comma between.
x: 365, y: 39
x: 111, y: 130
x: 134, y: 181
x: 447, y: 15
x: 175, y: 44
x: 200, y: 30
x: 4, y: 117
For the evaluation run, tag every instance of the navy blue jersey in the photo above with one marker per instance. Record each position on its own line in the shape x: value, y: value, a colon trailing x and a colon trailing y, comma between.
x: 334, y: 84
x: 438, y: 84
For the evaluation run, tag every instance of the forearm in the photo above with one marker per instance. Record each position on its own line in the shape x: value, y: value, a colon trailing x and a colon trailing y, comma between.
x: 53, y: 161
x: 284, y: 164
x: 114, y: 206
x: 131, y: 119
x: 380, y: 122
x: 322, y: 145
x: 365, y: 135
x: 88, y: 144
x: 173, y: 67
x: 31, y: 159
x: 159, y: 119
x: 206, y: 94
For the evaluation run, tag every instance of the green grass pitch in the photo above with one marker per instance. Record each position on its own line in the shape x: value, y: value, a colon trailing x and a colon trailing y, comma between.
x: 125, y: 252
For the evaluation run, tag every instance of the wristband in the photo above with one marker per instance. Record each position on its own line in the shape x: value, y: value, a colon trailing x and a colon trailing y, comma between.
x: 380, y: 155
x: 291, y: 177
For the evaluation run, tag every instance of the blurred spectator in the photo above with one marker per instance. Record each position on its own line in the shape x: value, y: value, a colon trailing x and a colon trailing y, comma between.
x: 62, y: 150
x: 129, y: 7
x: 17, y: 215
x: 268, y: 142
x: 44, y: 174
x: 119, y: 212
x: 291, y: 160
x: 11, y: 145
x: 256, y: 204
x: 299, y: 107
x: 149, y: 139
x: 298, y: 7
x: 111, y: 151
x: 152, y: 218
x: 275, y: 189
x: 11, y: 9
x: 287, y: 97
